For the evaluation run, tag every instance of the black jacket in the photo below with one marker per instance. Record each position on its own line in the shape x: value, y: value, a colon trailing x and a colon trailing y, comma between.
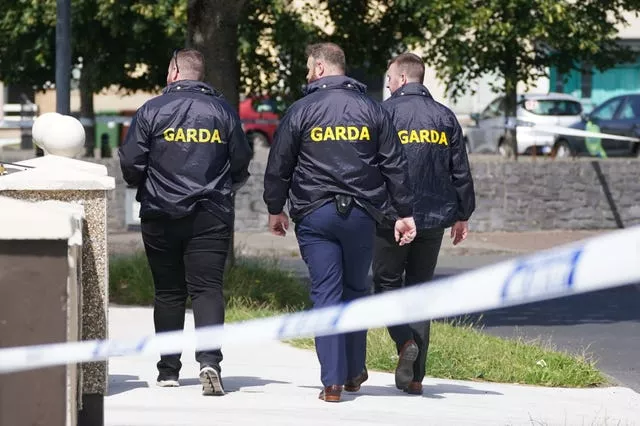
x: 336, y: 140
x: 185, y: 148
x: 438, y: 165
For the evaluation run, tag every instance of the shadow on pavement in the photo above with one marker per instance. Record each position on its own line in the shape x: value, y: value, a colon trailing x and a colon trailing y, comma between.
x: 436, y: 391
x: 235, y: 383
x: 119, y: 383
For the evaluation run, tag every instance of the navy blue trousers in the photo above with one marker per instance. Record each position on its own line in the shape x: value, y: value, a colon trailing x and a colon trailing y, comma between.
x: 338, y: 252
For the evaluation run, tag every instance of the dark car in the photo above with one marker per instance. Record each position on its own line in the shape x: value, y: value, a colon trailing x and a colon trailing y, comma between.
x: 617, y: 116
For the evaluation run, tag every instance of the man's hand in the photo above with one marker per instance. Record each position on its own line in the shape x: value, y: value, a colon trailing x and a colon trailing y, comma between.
x: 459, y: 231
x: 405, y: 230
x: 278, y: 224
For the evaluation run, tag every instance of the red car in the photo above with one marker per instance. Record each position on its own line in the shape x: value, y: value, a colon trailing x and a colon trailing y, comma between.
x: 260, y: 118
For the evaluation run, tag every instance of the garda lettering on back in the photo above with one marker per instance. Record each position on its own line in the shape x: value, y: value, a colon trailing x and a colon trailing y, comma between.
x: 192, y: 135
x: 340, y: 133
x: 423, y: 136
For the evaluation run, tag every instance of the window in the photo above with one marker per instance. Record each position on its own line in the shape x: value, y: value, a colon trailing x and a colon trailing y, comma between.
x: 494, y: 109
x: 559, y: 83
x: 552, y: 106
x: 586, y: 82
x: 631, y: 109
x: 269, y: 105
x: 264, y: 105
x: 607, y: 110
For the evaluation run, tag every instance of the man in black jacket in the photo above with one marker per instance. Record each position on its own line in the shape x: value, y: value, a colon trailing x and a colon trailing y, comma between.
x: 336, y: 157
x: 186, y: 152
x: 443, y: 196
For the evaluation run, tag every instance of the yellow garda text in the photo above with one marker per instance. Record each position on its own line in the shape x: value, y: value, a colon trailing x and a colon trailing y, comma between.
x: 340, y: 133
x: 423, y: 136
x: 192, y: 135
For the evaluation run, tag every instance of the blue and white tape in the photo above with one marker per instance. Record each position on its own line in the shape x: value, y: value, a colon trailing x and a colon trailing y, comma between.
x: 598, y: 263
x: 568, y: 131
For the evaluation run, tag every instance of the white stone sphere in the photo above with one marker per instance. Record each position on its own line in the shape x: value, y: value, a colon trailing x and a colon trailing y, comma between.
x: 41, y: 126
x: 59, y: 135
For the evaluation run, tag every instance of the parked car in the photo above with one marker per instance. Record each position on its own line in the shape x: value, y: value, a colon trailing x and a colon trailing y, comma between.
x: 487, y: 134
x: 617, y: 116
x: 260, y: 117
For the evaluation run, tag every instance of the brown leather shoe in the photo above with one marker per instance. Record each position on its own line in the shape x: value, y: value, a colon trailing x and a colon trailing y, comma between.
x: 331, y: 393
x: 407, y: 356
x: 353, y: 385
x: 414, y: 388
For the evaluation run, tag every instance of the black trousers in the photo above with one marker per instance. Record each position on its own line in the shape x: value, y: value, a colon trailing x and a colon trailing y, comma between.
x: 417, y: 261
x: 187, y: 258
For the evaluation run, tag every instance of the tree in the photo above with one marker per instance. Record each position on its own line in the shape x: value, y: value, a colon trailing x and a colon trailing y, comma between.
x: 126, y: 43
x: 213, y: 30
x: 519, y: 39
x: 274, y: 35
x: 272, y: 40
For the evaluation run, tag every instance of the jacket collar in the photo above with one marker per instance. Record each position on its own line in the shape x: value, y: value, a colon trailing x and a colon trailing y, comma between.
x: 412, y: 89
x: 335, y: 82
x: 191, y: 86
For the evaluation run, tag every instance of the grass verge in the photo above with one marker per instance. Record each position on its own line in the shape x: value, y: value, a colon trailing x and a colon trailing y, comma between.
x: 257, y: 289
x: 463, y: 352
x: 251, y: 282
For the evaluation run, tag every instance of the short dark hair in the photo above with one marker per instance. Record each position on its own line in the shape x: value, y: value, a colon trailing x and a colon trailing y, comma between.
x: 329, y: 52
x: 191, y: 64
x: 411, y: 65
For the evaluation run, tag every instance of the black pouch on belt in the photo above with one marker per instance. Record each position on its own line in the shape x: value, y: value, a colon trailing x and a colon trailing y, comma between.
x: 344, y: 204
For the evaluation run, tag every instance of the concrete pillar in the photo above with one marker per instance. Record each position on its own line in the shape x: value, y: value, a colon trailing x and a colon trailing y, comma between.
x: 86, y: 184
x: 40, y: 273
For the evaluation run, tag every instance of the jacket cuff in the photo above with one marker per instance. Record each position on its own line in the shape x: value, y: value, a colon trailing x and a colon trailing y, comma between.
x: 462, y: 217
x: 405, y: 211
x: 273, y: 210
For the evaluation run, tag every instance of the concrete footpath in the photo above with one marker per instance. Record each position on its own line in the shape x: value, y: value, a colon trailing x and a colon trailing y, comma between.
x: 480, y: 249
x: 275, y: 384
x: 485, y: 243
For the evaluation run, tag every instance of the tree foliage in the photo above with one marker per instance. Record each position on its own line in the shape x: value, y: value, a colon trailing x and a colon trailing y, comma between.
x: 463, y: 39
x: 109, y: 40
x: 368, y: 31
x: 272, y: 40
x: 519, y: 39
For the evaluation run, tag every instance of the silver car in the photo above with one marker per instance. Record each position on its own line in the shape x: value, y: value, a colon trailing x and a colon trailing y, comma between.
x: 486, y: 134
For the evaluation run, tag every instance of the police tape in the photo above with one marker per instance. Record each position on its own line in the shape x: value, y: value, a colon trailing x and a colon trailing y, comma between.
x: 568, y: 131
x: 598, y: 263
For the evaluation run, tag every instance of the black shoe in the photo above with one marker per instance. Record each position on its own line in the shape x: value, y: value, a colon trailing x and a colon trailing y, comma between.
x: 353, y: 384
x: 211, y: 381
x: 404, y: 371
x: 414, y: 388
x: 166, y: 380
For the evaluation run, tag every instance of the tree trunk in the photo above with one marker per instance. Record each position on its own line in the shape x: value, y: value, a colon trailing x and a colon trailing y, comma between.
x: 510, y: 106
x: 213, y: 30
x: 87, y: 115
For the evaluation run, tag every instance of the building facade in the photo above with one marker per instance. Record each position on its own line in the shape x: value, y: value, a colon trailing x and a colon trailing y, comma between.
x: 592, y: 86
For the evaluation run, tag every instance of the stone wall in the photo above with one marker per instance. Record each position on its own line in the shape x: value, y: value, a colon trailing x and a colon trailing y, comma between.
x: 251, y: 212
x: 572, y: 194
x: 510, y: 196
x: 115, y: 199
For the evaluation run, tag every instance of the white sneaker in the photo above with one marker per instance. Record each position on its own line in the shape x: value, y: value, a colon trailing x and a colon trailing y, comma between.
x: 211, y: 382
x: 167, y: 381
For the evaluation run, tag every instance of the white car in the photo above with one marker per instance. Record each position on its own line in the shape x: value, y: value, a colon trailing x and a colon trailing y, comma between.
x: 487, y: 132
